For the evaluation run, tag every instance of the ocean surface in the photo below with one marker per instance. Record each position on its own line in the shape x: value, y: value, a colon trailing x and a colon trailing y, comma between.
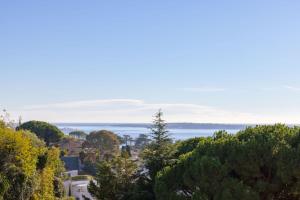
x: 178, y: 131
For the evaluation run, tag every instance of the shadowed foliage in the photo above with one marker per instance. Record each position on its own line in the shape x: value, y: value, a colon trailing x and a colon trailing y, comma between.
x: 45, y: 131
x: 257, y: 163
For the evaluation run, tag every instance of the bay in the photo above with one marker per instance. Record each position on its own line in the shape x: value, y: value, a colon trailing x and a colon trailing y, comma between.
x: 178, y: 131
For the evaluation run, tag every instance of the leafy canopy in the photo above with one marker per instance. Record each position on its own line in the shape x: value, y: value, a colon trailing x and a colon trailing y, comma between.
x: 78, y: 134
x: 45, y: 131
x: 105, y: 142
x: 256, y: 163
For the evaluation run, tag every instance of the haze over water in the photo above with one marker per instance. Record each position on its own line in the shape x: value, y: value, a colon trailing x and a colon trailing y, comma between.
x: 179, y: 132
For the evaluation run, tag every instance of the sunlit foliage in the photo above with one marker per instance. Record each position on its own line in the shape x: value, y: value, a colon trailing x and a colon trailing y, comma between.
x: 27, y: 167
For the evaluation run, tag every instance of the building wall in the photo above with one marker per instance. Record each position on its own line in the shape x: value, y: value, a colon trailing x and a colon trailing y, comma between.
x: 78, y: 189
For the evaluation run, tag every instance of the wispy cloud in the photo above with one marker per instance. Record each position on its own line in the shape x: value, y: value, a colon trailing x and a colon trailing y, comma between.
x: 85, y: 104
x: 292, y: 88
x: 204, y: 89
x: 134, y: 110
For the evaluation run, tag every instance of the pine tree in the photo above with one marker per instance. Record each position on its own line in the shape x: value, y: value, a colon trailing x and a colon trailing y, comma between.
x: 158, y: 153
x: 104, y: 185
x: 159, y: 133
x: 114, y: 178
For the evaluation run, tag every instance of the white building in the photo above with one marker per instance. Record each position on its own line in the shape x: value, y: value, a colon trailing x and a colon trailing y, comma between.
x: 78, y: 189
x: 72, y: 173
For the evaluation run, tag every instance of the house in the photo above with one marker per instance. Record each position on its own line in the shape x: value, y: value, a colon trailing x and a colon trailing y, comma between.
x: 72, y: 146
x: 72, y: 163
x: 77, y: 187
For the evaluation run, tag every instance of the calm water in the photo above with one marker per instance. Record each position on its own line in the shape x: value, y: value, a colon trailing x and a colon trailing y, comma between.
x: 176, y: 133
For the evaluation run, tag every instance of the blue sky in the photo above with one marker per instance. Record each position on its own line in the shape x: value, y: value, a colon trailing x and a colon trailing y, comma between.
x: 119, y: 61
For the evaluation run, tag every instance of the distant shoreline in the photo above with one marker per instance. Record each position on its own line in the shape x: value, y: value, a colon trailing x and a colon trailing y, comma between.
x: 170, y: 125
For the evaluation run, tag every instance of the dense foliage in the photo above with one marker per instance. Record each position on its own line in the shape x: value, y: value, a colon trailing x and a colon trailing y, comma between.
x: 114, y: 179
x: 183, y: 147
x: 78, y: 134
x: 257, y: 163
x: 103, y: 143
x: 45, y: 131
x: 126, y: 140
x: 142, y: 141
x: 28, y: 169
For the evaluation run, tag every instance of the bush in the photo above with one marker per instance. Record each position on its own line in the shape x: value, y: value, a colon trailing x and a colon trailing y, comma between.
x: 81, y: 178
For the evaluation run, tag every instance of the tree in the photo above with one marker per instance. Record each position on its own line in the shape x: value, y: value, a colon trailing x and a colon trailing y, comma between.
x: 5, y: 119
x: 114, y: 179
x: 70, y: 145
x: 121, y: 139
x: 127, y: 150
x: 27, y: 167
x: 45, y: 131
x: 256, y: 163
x: 186, y: 146
x: 141, y: 141
x: 78, y: 134
x: 127, y: 139
x: 159, y: 133
x: 125, y: 170
x: 104, y: 187
x: 105, y: 142
x: 17, y: 163
x: 50, y: 180
x: 59, y: 189
x: 158, y: 153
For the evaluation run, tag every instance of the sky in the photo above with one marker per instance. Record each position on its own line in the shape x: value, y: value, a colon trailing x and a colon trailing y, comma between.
x: 120, y: 61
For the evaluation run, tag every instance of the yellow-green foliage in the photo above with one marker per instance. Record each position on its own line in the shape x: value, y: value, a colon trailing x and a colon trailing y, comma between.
x: 46, y: 188
x: 28, y: 166
x: 53, y: 167
x: 54, y: 161
x: 81, y: 177
x: 16, y: 148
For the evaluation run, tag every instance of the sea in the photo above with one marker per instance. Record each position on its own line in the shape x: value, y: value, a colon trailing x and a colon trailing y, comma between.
x: 177, y: 131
